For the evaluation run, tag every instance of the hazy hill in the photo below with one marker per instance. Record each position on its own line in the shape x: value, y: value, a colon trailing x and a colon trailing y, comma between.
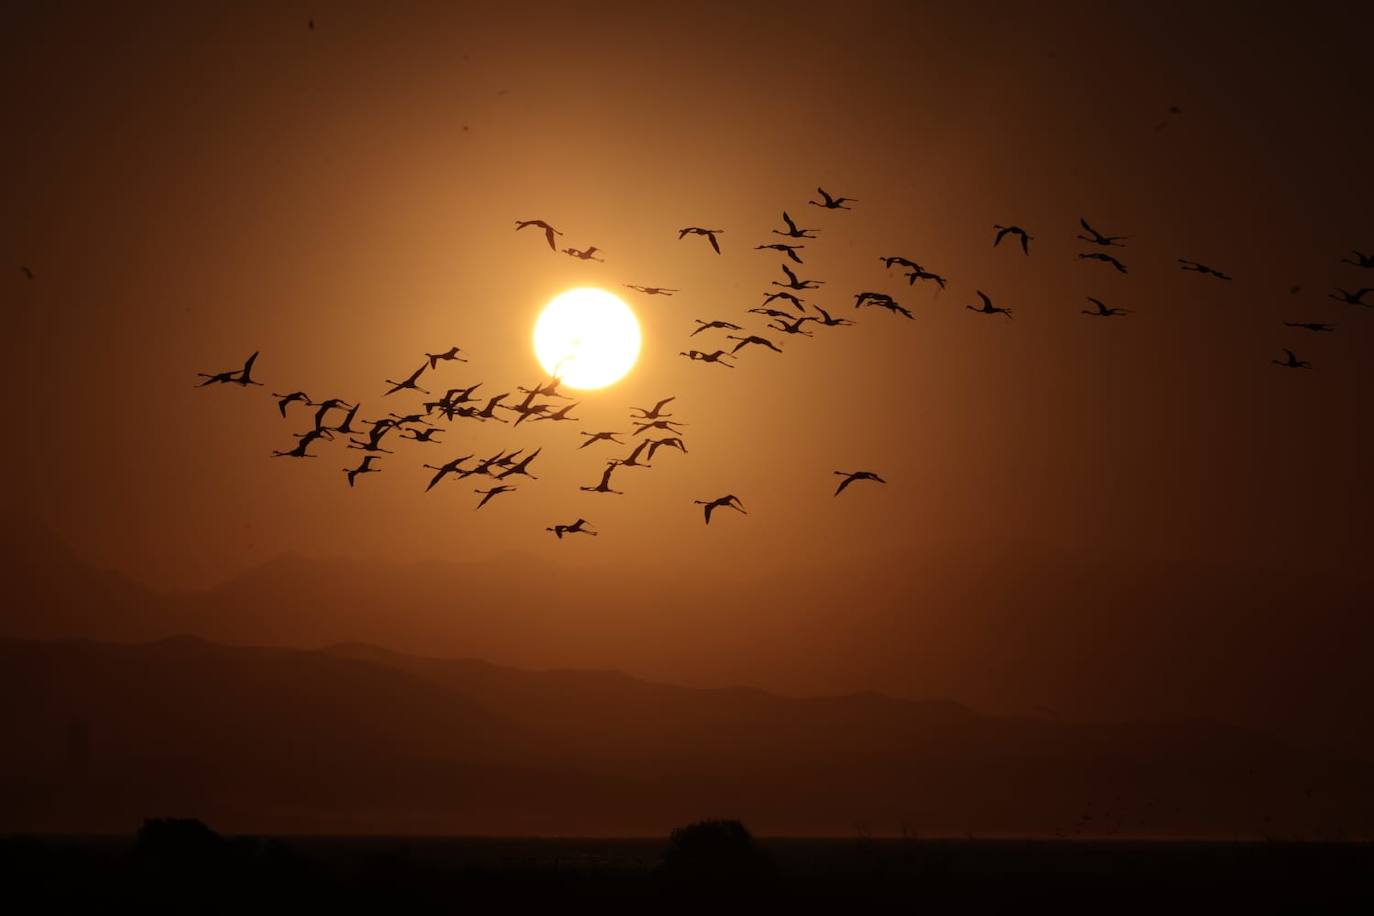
x: 361, y: 740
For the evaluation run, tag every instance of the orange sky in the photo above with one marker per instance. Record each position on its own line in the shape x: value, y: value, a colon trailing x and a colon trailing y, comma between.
x: 188, y: 187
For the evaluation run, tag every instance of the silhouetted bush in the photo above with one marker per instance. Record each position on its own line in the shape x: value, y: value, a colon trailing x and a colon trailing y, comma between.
x: 715, y: 853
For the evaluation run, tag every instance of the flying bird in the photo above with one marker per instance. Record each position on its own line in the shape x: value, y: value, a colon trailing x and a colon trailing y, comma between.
x: 600, y: 437
x: 558, y: 416
x: 1103, y: 310
x: 577, y: 527
x: 1349, y: 297
x: 666, y: 425
x: 870, y: 298
x: 791, y: 298
x: 652, y: 290
x: 1199, y: 268
x: 708, y: 325
x: 605, y: 485
x: 655, y: 412
x: 494, y: 491
x: 890, y: 260
x: 1004, y: 231
x: 1104, y: 258
x: 919, y: 274
x: 243, y: 377
x: 794, y: 283
x: 729, y: 501
x: 286, y: 400
x: 669, y: 442
x: 489, y: 412
x: 1098, y: 238
x: 364, y: 468
x: 793, y: 327
x: 549, y: 389
x: 28, y: 274
x: 988, y: 308
x: 303, y: 443
x: 792, y: 231
x: 851, y: 476
x: 421, y: 435
x: 752, y: 339
x: 450, y: 354
x: 445, y: 469
x: 831, y: 203
x: 522, y: 467
x: 587, y: 254
x: 789, y: 250
x: 1311, y: 325
x: 716, y: 357
x: 374, y: 437
x: 1361, y: 260
x: 549, y: 231
x: 409, y: 382
x: 772, y: 313
x: 697, y: 230
x: 1292, y: 362
x: 830, y: 322
x: 632, y: 461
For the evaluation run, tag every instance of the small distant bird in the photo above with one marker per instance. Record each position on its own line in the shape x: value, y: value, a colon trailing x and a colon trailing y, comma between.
x: 697, y: 230
x: 549, y: 231
x: 600, y: 437
x: 665, y: 425
x: 653, y: 413
x: 346, y: 427
x: 790, y: 297
x: 242, y: 376
x: 831, y: 203
x: 729, y: 501
x: 587, y: 254
x: 28, y: 274
x: 708, y: 325
x: 522, y: 467
x: 421, y: 435
x: 793, y: 327
x: 489, y: 411
x: 303, y: 443
x: 605, y: 485
x: 577, y: 527
x: 443, y: 470
x: 794, y: 283
x: 1098, y: 238
x: 890, y: 260
x: 409, y: 382
x: 829, y: 322
x: 789, y: 250
x: 1199, y: 268
x: 919, y: 274
x: 1349, y: 297
x: 549, y: 390
x: 653, y: 290
x: 285, y: 400
x: 988, y: 308
x: 1103, y: 311
x: 792, y: 231
x: 374, y: 438
x: 1310, y: 325
x: 851, y: 476
x: 669, y: 442
x: 1292, y: 362
x: 716, y: 357
x: 868, y: 298
x: 632, y: 461
x: 450, y: 354
x: 1004, y: 231
x: 311, y: 25
x: 752, y: 339
x: 324, y: 407
x: 494, y: 491
x: 558, y: 416
x: 1361, y: 260
x: 1104, y: 258
x: 771, y: 313
x: 364, y: 468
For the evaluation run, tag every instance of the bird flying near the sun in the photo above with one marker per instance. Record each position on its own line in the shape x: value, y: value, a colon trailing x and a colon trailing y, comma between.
x: 587, y: 338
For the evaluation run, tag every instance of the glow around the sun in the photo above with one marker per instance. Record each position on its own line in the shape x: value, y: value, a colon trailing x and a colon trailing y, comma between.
x: 587, y: 337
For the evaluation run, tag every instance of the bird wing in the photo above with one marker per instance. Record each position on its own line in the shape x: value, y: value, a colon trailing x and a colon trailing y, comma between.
x: 987, y: 303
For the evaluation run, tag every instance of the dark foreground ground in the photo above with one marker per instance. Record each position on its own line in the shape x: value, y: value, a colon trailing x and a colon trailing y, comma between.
x: 312, y: 874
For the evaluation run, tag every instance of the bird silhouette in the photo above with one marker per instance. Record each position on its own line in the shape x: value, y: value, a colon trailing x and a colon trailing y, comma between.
x: 493, y: 492
x: 1292, y: 362
x: 793, y: 282
x: 772, y: 313
x: 988, y: 308
x: 303, y: 442
x: 729, y: 501
x: 443, y: 470
x: 653, y: 290
x: 1199, y: 268
x: 364, y: 468
x: 374, y: 437
x: 668, y: 442
x: 697, y: 230
x: 790, y: 298
x: 409, y: 382
x: 752, y: 339
x: 586, y: 254
x: 851, y: 476
x: 632, y: 461
x: 242, y: 377
x: 577, y: 527
x: 450, y: 354
x: 831, y: 203
x: 919, y: 274
x: 1004, y: 231
x: 667, y: 425
x: 489, y: 411
x: 1360, y: 260
x: 1311, y: 325
x: 421, y: 435
x: 285, y: 400
x: 716, y: 357
x: 549, y: 389
x: 708, y: 325
x: 558, y: 416
x: 861, y: 299
x: 792, y: 231
x: 549, y: 231
x: 1103, y: 310
x: 653, y: 413
x: 789, y: 250
x: 522, y: 467
x: 324, y: 407
x: 793, y: 327
x: 1098, y: 238
x: 1105, y: 258
x: 1349, y: 297
x: 827, y: 321
x: 28, y: 274
x: 605, y: 485
x: 890, y: 260
x: 600, y: 437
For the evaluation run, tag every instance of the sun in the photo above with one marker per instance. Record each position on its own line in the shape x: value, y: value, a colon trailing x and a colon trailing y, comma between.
x: 587, y: 337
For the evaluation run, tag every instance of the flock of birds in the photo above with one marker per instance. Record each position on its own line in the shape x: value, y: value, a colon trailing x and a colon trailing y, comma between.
x: 336, y: 417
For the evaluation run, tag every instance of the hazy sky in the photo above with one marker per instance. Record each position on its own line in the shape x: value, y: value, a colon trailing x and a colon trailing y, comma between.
x: 188, y: 187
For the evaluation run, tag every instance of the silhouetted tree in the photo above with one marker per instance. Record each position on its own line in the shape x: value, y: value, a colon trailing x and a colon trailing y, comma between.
x: 715, y: 854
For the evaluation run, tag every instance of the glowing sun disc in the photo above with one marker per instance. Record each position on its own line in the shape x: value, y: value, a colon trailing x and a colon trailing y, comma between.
x: 587, y: 337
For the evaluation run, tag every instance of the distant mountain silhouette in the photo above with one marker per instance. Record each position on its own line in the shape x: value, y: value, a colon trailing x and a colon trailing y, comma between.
x: 360, y: 740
